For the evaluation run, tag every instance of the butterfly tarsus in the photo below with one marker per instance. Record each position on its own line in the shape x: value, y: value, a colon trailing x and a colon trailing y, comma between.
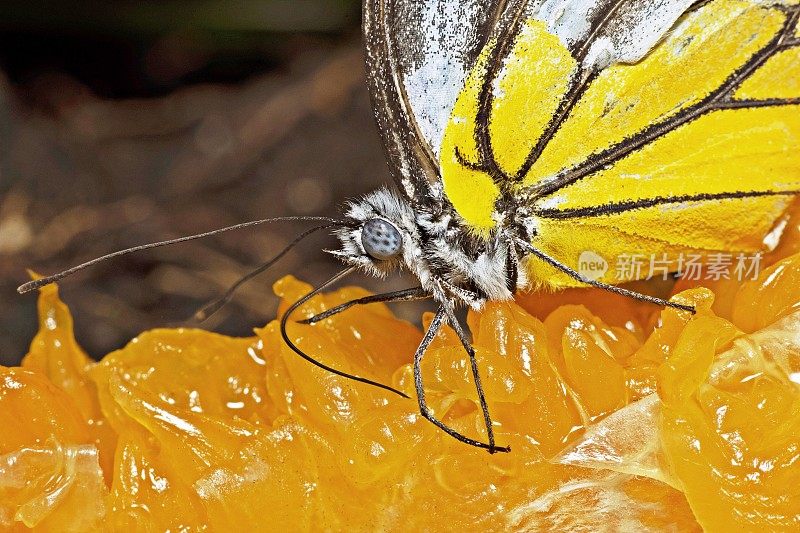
x: 438, y: 319
x: 487, y: 419
x: 441, y: 316
x: 418, y: 293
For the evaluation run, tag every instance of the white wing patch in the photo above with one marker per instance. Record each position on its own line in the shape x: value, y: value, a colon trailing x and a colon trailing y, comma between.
x: 433, y: 84
x: 617, y: 31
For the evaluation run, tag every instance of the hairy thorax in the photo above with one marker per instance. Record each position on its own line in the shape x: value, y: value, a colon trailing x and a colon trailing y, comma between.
x: 451, y: 263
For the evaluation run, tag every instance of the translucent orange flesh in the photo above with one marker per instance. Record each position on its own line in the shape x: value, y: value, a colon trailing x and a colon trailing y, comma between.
x: 620, y: 416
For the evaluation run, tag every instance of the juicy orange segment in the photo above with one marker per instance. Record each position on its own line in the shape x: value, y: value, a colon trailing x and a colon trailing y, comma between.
x: 772, y: 296
x: 619, y: 415
x: 734, y: 442
x: 55, y: 353
x: 49, y: 467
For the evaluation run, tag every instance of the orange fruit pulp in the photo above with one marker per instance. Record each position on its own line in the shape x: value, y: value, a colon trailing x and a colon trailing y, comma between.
x: 620, y: 416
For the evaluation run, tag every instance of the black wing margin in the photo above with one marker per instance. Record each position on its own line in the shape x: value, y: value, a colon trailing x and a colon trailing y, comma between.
x: 418, y: 53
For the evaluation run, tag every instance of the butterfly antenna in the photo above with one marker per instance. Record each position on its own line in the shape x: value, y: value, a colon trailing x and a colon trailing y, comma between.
x: 298, y: 351
x: 41, y: 282
x: 215, y: 305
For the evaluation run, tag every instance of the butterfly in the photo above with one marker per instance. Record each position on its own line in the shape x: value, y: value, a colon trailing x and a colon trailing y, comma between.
x: 523, y: 134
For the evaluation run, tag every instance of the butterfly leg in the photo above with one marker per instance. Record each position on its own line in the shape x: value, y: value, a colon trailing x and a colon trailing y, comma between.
x: 286, y: 339
x: 436, y: 323
x: 487, y: 419
x: 600, y: 285
x: 405, y: 295
x: 469, y: 297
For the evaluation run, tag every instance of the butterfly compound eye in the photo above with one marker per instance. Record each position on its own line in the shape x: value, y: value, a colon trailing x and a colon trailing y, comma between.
x: 381, y: 240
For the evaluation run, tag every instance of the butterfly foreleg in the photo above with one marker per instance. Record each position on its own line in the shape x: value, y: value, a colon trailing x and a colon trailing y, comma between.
x: 296, y: 349
x: 405, y: 295
x: 436, y: 323
x: 471, y: 298
x: 487, y: 419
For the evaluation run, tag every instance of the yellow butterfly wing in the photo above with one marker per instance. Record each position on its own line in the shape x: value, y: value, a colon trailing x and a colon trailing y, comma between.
x: 692, y: 149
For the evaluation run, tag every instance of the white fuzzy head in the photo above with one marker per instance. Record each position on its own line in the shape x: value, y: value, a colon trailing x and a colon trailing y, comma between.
x: 386, y: 233
x: 383, y: 235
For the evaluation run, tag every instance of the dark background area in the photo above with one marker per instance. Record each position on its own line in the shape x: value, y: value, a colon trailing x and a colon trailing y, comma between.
x: 125, y: 122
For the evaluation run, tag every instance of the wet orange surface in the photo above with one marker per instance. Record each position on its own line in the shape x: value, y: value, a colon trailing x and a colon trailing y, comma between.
x: 620, y: 416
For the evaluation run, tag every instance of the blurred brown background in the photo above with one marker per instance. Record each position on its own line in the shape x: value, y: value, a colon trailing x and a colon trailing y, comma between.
x: 125, y: 122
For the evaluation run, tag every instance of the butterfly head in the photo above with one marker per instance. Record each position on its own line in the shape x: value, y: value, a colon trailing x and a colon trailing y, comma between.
x: 382, y: 234
x: 386, y: 233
